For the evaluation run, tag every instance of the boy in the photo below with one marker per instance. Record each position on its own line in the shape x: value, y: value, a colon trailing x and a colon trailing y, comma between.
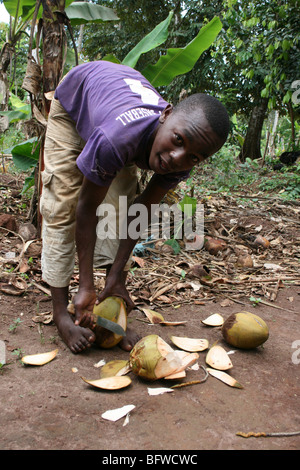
x: 105, y: 120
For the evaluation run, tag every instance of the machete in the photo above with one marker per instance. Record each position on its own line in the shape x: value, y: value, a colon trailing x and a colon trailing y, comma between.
x: 111, y: 326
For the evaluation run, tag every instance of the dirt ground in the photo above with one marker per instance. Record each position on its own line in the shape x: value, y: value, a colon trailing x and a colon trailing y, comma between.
x: 50, y: 407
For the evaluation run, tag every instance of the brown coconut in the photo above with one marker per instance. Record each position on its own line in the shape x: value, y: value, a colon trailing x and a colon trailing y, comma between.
x: 245, y: 330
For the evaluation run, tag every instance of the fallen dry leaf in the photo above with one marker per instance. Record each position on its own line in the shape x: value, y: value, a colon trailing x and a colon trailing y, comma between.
x: 45, y: 318
x: 214, y: 246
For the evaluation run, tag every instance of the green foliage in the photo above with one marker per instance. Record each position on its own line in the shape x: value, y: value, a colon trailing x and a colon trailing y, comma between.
x: 178, y: 61
x: 84, y: 12
x: 26, y: 154
x: 152, y: 40
x: 14, y: 325
x: 10, y: 138
x: 188, y: 205
x: 174, y: 245
x: 286, y: 184
x: 224, y: 173
x: 20, y: 109
x: 262, y: 41
x: 21, y: 12
x: 25, y: 157
x: 137, y: 19
x: 256, y: 53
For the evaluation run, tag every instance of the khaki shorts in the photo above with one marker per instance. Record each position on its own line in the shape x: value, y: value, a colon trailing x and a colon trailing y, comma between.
x: 62, y: 181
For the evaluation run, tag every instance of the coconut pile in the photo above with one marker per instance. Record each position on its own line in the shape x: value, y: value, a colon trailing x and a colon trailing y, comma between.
x: 152, y: 358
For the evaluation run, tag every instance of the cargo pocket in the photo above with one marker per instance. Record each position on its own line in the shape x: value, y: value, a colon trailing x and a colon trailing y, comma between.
x: 46, y: 177
x: 47, y: 200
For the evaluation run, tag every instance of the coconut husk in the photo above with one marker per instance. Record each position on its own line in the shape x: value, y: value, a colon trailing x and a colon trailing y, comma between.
x: 39, y: 359
x: 218, y: 358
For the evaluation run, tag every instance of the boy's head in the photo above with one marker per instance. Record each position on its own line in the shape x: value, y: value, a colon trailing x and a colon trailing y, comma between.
x: 189, y: 133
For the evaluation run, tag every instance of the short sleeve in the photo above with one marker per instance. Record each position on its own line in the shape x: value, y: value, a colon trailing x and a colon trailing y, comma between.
x: 98, y: 160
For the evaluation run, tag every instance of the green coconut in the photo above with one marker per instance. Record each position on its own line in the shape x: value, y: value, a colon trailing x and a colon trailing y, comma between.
x: 113, y: 309
x: 152, y: 358
x: 245, y: 330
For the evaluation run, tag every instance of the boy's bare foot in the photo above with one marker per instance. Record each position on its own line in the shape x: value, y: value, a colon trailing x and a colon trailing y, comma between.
x: 129, y: 340
x: 105, y: 338
x: 76, y: 337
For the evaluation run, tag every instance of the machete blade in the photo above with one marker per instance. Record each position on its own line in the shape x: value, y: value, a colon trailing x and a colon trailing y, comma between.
x: 111, y: 326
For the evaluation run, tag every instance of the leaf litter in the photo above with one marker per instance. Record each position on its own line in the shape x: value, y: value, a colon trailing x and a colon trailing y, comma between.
x: 259, y: 254
x: 163, y: 279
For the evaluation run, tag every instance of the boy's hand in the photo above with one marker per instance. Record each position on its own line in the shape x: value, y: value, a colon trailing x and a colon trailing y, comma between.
x: 84, y: 302
x: 115, y: 286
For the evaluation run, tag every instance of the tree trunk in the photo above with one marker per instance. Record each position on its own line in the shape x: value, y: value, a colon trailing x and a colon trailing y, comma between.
x: 251, y: 147
x: 53, y: 53
x: 292, y: 118
x: 53, y: 44
x: 5, y: 59
x: 271, y: 146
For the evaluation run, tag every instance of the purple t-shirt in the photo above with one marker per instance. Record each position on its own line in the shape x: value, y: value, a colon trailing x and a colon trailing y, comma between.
x: 116, y: 110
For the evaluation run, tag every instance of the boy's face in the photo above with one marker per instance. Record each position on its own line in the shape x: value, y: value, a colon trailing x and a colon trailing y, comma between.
x: 179, y: 144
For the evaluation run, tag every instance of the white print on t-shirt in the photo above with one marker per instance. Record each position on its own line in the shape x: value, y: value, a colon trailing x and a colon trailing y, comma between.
x: 148, y: 96
x: 134, y: 114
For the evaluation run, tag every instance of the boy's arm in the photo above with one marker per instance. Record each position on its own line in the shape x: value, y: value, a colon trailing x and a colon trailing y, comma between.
x: 115, y: 284
x: 90, y: 197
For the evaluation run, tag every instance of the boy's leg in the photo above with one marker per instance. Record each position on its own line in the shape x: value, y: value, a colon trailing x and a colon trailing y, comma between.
x: 113, y: 215
x: 113, y: 210
x: 61, y: 185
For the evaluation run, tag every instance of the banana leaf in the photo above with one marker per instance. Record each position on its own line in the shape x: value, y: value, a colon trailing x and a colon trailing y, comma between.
x: 179, y: 61
x: 111, y: 58
x: 14, y: 116
x: 20, y: 110
x: 21, y: 8
x: 156, y: 37
x: 26, y: 154
x: 84, y: 12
